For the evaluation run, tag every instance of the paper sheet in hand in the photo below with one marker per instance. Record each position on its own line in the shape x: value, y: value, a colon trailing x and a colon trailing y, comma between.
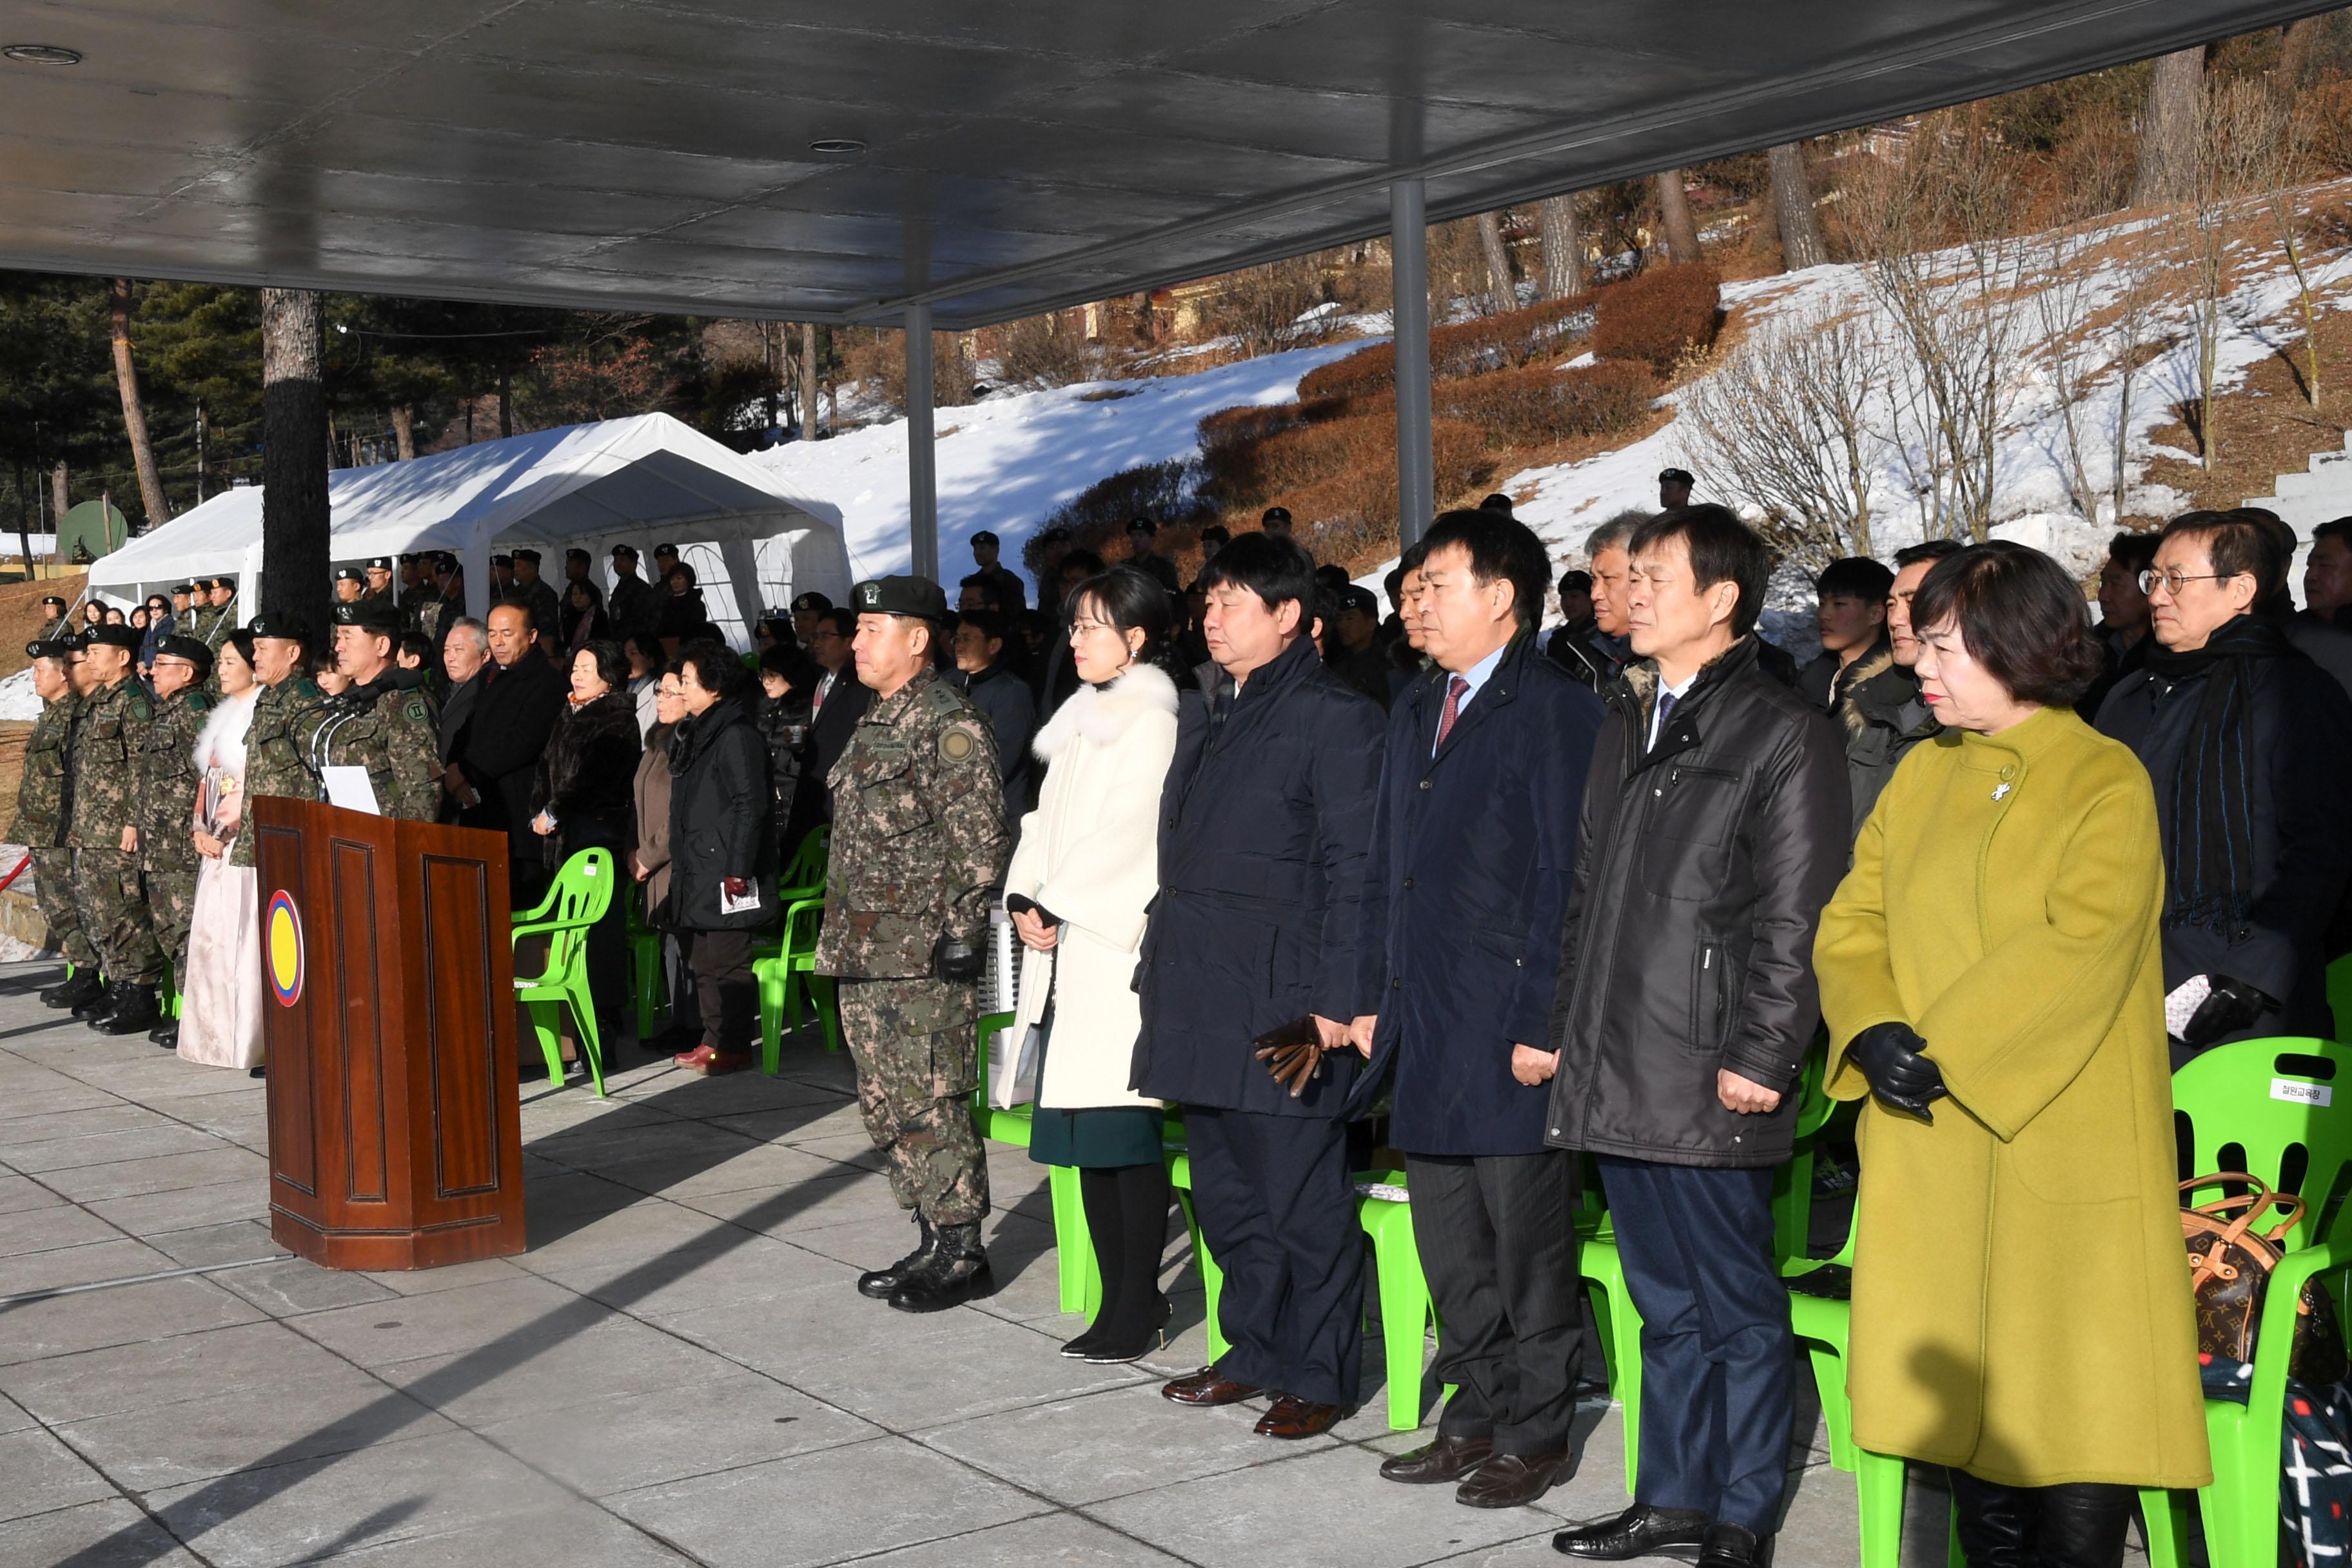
x: 349, y: 788
x: 730, y: 905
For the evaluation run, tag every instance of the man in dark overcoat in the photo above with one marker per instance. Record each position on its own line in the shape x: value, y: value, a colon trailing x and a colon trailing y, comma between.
x: 1474, y: 844
x: 1264, y: 821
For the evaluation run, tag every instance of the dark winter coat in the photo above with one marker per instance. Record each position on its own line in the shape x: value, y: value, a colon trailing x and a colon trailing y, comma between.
x: 1263, y: 828
x: 718, y: 821
x: 512, y: 719
x: 1702, y: 866
x: 1464, y: 888
x: 1878, y: 709
x: 830, y: 730
x: 778, y: 717
x: 1593, y: 659
x: 1012, y: 710
x: 2302, y: 820
x: 586, y: 777
x: 682, y: 615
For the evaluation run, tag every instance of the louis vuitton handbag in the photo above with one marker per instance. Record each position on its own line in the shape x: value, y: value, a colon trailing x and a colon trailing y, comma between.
x: 2229, y: 1266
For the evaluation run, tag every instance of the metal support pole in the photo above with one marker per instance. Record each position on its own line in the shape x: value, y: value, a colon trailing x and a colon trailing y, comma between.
x: 1408, y: 312
x: 922, y: 470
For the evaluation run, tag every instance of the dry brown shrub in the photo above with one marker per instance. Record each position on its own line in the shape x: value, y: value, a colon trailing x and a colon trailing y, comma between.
x: 1339, y: 478
x: 1502, y: 342
x: 1658, y: 316
x: 1528, y: 408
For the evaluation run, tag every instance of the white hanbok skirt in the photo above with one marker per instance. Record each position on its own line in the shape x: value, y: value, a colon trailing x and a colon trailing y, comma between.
x: 222, y: 995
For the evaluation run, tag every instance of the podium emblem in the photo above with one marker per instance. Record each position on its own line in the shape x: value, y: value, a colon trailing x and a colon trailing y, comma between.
x: 281, y: 948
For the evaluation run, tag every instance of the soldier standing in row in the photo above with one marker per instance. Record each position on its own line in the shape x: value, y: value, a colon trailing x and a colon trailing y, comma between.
x: 379, y: 582
x: 416, y: 590
x: 918, y: 842
x: 168, y: 781
x: 377, y: 724
x: 44, y: 799
x: 103, y: 831
x: 350, y: 583
x: 278, y: 739
x: 531, y: 592
x: 219, y: 617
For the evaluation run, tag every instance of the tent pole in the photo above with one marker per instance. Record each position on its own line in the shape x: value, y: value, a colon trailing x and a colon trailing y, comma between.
x: 922, y: 473
x: 1408, y: 313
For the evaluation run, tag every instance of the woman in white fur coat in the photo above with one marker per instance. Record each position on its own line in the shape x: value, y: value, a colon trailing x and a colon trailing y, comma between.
x: 1087, y: 867
x: 220, y: 1007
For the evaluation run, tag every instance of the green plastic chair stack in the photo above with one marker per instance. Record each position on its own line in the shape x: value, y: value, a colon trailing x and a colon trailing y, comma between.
x: 646, y: 977
x: 1407, y: 1314
x: 581, y: 894
x: 787, y: 972
x: 1079, y: 1277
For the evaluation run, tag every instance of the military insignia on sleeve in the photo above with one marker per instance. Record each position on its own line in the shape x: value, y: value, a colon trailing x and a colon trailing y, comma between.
x: 958, y: 743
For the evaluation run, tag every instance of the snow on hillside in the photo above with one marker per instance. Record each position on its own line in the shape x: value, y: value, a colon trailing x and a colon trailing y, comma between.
x: 1009, y: 459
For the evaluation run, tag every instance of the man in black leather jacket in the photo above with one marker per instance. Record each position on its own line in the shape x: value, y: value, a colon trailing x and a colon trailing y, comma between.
x: 1714, y: 827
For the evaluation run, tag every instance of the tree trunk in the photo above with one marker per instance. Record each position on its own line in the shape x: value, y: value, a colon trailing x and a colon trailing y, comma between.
x: 1675, y: 221
x: 1563, y: 248
x: 2167, y: 132
x: 2294, y: 53
x: 1500, y: 294
x: 808, y: 381
x: 24, y: 527
x: 404, y: 431
x: 294, y: 513
x: 505, y: 402
x: 134, y: 411
x: 1793, y: 205
x: 58, y: 503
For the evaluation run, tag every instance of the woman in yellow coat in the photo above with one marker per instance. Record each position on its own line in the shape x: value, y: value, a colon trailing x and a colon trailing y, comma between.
x: 1990, y: 976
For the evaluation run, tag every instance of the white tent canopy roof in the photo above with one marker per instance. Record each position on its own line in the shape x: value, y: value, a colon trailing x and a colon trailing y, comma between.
x: 637, y: 481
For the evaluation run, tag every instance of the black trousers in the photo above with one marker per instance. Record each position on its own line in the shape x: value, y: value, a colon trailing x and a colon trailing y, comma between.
x: 723, y: 985
x: 1277, y: 1208
x: 1497, y: 1240
x: 1719, y: 1362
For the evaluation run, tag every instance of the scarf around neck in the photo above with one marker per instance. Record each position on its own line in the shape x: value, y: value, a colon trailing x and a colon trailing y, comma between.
x: 2210, y: 845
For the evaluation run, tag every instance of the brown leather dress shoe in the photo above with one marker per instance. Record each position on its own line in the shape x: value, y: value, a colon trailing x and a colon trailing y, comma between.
x: 1291, y: 1417
x: 1508, y: 1480
x: 1447, y: 1460
x: 1207, y: 1386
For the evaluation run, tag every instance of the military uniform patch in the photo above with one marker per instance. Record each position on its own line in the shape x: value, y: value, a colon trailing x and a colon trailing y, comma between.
x: 958, y: 743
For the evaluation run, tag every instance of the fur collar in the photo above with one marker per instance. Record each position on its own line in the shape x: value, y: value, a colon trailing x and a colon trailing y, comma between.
x: 221, y: 743
x: 1102, y: 714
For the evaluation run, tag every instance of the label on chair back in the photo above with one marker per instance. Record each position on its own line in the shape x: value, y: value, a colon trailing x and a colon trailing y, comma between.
x: 2288, y: 1089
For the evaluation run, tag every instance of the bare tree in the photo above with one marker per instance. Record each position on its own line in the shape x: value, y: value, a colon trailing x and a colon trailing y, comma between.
x: 134, y: 411
x: 1500, y: 292
x: 2233, y: 132
x: 808, y: 381
x: 1674, y: 220
x: 294, y: 458
x: 2168, y: 137
x: 2295, y: 43
x: 404, y: 430
x: 1792, y: 205
x: 1563, y: 248
x: 2288, y: 145
x: 1785, y: 425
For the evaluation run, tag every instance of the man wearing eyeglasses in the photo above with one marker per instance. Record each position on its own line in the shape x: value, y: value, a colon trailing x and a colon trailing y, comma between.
x: 2249, y: 744
x: 835, y: 706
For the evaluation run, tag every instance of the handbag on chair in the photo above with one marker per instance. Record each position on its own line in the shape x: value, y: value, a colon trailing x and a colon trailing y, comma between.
x: 2229, y: 1266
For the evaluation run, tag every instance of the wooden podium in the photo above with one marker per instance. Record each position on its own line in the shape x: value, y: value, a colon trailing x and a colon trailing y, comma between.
x: 394, y: 1119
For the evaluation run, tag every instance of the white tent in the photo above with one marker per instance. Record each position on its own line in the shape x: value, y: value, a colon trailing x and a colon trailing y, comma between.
x: 640, y: 480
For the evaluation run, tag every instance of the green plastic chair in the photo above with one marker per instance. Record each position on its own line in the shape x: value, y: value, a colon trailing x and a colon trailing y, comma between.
x: 1213, y: 1279
x: 581, y: 894
x: 1079, y: 1277
x: 787, y: 974
x: 1407, y: 1314
x: 646, y: 977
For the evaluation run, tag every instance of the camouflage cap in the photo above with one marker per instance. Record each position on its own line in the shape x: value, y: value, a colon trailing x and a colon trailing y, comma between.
x: 189, y: 649
x: 917, y: 596
x: 375, y: 615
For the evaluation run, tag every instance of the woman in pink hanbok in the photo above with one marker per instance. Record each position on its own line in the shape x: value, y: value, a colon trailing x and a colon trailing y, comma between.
x: 221, y: 996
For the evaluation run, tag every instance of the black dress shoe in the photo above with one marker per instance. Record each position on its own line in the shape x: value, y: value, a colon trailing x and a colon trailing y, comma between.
x: 1511, y: 1480
x: 1076, y: 1349
x: 1734, y: 1546
x: 1638, y: 1531
x: 1290, y: 1418
x: 1111, y: 1346
x: 1206, y: 1387
x: 1447, y: 1460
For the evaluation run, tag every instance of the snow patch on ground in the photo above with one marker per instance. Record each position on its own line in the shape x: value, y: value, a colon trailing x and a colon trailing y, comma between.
x: 19, y: 703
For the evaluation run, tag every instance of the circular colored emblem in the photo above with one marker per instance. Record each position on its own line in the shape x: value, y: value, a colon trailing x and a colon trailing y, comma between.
x: 281, y: 948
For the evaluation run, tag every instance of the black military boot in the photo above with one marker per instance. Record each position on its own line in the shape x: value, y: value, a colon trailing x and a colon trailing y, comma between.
x: 166, y: 1033
x: 881, y: 1283
x: 134, y: 1014
x: 73, y: 990
x: 958, y: 1273
x: 98, y: 1003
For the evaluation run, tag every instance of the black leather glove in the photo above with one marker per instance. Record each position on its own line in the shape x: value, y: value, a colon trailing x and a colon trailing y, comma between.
x: 2229, y: 1007
x: 957, y: 962
x: 1903, y: 1078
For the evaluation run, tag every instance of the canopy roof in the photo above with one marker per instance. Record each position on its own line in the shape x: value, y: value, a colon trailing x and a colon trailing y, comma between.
x: 638, y: 480
x: 624, y: 153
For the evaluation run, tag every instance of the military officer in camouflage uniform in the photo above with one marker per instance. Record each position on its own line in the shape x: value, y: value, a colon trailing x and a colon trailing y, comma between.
x: 350, y: 583
x: 169, y: 780
x: 918, y: 843
x: 219, y: 617
x: 285, y: 716
x: 44, y: 796
x: 103, y: 828
x: 379, y: 582
x: 377, y: 724
x: 416, y: 591
x: 529, y: 590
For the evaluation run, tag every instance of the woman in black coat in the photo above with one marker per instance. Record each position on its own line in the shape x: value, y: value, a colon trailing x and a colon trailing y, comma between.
x: 723, y: 849
x: 581, y: 799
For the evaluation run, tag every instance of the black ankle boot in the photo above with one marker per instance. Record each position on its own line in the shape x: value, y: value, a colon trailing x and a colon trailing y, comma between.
x: 881, y: 1283
x: 135, y: 1012
x: 166, y: 1033
x: 73, y: 991
x: 98, y: 1001
x: 958, y: 1272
